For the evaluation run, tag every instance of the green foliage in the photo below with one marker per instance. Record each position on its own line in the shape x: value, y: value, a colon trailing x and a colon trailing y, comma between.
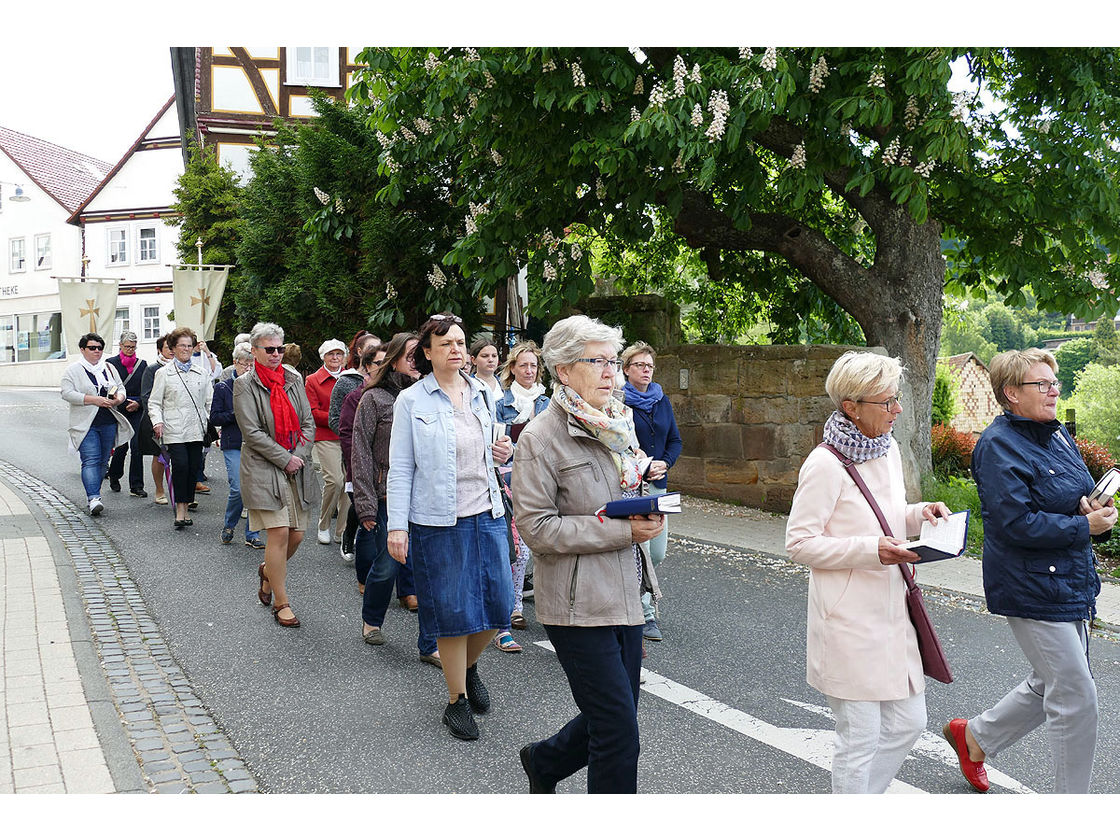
x: 1072, y: 357
x: 1005, y: 330
x: 1097, y: 458
x: 1106, y: 342
x: 958, y: 494
x: 962, y: 331
x: 1096, y: 404
x: 945, y: 402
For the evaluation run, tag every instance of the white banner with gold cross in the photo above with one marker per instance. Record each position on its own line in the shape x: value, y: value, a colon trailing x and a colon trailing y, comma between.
x: 198, y: 296
x: 88, y: 306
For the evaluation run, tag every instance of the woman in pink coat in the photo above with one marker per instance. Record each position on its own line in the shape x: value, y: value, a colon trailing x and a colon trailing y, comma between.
x: 862, y: 651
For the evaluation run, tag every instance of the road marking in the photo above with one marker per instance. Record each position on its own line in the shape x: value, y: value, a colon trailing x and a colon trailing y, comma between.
x: 814, y: 746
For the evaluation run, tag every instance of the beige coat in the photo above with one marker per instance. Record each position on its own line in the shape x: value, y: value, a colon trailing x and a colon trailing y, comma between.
x: 584, y: 572
x: 861, y: 644
x: 181, y: 401
x: 262, y: 458
x: 75, y: 385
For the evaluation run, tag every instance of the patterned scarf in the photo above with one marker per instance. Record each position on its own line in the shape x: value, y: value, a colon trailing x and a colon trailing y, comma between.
x: 289, y: 433
x: 842, y: 433
x: 612, y: 426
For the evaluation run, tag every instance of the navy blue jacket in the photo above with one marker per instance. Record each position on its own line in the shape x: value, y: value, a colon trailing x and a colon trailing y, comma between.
x: 658, y: 436
x: 221, y: 414
x: 1038, y: 556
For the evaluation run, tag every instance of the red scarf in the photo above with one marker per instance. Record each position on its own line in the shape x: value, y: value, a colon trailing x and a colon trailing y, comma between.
x: 289, y: 433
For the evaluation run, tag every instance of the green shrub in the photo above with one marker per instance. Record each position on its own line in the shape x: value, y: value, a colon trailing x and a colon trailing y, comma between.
x: 945, y: 404
x: 951, y: 450
x: 1072, y: 357
x: 959, y: 494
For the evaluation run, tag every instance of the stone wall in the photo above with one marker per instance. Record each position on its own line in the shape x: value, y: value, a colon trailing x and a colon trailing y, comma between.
x: 748, y: 417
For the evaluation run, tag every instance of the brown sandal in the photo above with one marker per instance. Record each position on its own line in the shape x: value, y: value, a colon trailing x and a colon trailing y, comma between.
x: 284, y: 622
x: 266, y: 597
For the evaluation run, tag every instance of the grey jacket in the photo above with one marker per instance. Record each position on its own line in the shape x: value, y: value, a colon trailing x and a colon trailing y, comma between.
x: 181, y: 401
x: 262, y: 458
x: 584, y: 573
x: 75, y: 386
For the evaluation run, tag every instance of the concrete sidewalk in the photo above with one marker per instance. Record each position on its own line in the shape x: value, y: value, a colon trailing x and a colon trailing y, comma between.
x: 756, y: 530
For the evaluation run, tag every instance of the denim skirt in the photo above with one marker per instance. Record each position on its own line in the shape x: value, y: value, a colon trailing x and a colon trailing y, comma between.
x: 463, y: 580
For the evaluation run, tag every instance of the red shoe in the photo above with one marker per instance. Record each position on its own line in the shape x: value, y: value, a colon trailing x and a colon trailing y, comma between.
x: 973, y: 771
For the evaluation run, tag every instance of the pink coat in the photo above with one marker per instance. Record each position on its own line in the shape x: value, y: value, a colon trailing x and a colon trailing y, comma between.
x: 860, y: 644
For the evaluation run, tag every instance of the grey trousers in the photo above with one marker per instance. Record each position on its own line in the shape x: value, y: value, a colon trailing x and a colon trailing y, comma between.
x: 1060, y: 692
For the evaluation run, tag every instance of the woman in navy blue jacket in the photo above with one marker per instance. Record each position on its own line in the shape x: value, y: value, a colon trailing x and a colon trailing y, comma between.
x: 221, y: 415
x: 659, y: 439
x: 1039, y: 571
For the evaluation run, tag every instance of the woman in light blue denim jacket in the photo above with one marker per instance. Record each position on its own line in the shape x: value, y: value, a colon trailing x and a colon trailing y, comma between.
x: 445, y: 511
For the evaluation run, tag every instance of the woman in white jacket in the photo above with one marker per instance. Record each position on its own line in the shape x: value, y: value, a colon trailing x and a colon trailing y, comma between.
x: 179, y: 407
x: 862, y: 651
x: 94, y: 391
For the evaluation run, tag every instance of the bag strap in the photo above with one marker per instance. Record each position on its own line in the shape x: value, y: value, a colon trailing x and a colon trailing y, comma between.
x: 850, y: 466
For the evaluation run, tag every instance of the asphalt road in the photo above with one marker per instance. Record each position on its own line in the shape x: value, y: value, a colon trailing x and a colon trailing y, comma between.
x: 315, y: 710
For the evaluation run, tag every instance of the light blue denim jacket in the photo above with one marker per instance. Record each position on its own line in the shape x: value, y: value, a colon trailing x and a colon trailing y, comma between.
x: 421, y: 487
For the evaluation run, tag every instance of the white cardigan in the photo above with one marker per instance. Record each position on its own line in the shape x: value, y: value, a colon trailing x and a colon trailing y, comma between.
x: 860, y: 643
x: 75, y: 385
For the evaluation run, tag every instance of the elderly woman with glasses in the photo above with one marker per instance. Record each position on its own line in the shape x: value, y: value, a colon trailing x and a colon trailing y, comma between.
x: 180, y: 408
x: 222, y: 416
x: 94, y: 391
x: 573, y: 458
x: 861, y: 649
x: 1039, y: 572
x: 277, y: 430
x: 445, y: 510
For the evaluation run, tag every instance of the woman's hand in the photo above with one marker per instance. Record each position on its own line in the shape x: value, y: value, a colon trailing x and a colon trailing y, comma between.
x: 295, y: 464
x: 1101, y: 519
x: 398, y: 546
x: 891, y: 555
x: 934, y: 510
x: 157, y: 430
x: 369, y: 524
x: 131, y: 406
x: 657, y: 470
x: 502, y: 449
x: 645, y: 528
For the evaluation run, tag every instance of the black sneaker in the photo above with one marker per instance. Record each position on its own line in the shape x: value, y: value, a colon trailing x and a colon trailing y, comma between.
x: 535, y: 783
x: 458, y: 718
x: 139, y: 493
x: 477, y: 695
x: 227, y: 536
x: 115, y: 485
x: 527, y: 588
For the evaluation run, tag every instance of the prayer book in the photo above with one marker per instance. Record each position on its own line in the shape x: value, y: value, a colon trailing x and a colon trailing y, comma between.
x: 942, y: 540
x: 641, y: 505
x: 1107, y: 487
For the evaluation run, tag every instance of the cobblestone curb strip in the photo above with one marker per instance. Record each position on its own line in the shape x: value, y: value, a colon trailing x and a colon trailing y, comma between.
x: 179, y: 747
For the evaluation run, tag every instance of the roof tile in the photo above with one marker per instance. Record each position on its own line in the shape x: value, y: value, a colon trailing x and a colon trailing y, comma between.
x: 64, y: 174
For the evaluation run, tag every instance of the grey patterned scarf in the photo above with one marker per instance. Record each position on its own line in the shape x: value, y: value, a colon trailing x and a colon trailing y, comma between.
x: 842, y: 433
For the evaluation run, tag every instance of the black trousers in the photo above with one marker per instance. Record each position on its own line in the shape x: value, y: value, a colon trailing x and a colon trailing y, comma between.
x: 186, y: 461
x: 136, y: 464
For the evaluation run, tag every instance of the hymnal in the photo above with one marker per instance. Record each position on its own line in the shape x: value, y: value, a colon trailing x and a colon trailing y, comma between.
x: 942, y: 540
x: 1106, y: 488
x: 641, y: 505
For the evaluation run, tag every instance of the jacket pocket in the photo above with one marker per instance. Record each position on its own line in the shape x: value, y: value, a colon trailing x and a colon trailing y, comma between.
x: 1048, y: 579
x: 429, y: 446
x: 831, y: 588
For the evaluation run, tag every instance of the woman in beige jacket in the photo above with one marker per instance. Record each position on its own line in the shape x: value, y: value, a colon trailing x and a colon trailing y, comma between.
x: 574, y: 457
x: 862, y: 651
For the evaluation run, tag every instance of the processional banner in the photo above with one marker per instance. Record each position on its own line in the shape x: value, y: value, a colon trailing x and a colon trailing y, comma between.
x: 198, y: 296
x: 88, y: 306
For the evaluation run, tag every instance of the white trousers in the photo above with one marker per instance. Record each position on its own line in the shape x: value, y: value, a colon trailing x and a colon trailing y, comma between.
x: 873, y: 738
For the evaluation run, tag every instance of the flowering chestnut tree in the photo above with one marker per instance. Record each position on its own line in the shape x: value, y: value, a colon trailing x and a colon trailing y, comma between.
x: 857, y: 168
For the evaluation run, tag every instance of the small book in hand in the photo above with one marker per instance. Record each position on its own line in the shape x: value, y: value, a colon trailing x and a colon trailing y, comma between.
x: 641, y: 505
x: 1107, y: 487
x: 942, y: 540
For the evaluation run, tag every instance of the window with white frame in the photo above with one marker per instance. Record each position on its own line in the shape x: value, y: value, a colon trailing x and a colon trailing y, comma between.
x: 17, y: 251
x: 147, y: 250
x: 121, y: 321
x: 316, y: 66
x: 42, y: 251
x: 118, y: 246
x: 151, y: 322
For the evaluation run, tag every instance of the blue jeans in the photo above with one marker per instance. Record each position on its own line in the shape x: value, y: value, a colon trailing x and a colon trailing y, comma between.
x: 603, y: 665
x: 233, y: 503
x: 371, y: 549
x: 94, y: 450
x: 405, y: 583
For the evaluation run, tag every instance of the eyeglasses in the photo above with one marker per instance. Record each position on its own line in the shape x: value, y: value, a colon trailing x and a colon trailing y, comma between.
x: 887, y: 405
x: 615, y: 364
x: 454, y: 319
x: 1044, y: 385
x: 270, y: 350
x: 643, y: 366
x: 94, y: 347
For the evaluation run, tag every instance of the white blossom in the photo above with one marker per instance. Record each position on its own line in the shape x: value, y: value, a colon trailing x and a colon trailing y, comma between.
x: 1018, y: 240
x: 549, y: 272
x: 497, y: 158
x: 548, y: 66
x: 604, y: 106
x: 717, y: 104
x: 890, y: 154
x: 577, y: 252
x: 578, y: 79
x: 797, y: 160
x: 910, y: 117
x: 470, y: 226
x: 422, y: 125
x: 437, y: 278
x: 339, y: 207
x: 680, y: 70
x: 877, y: 79
x: 390, y: 292
x: 639, y: 86
x: 324, y: 199
x: 472, y: 100
x: 391, y: 164
x: 695, y: 76
x: 904, y: 156
x: 1097, y: 278
x: 745, y: 53
x: 432, y: 62
x: 697, y: 115
x: 657, y: 96
x: 582, y: 190
x: 600, y: 189
x: 769, y: 61
x: 960, y: 106
x: 635, y: 115
x: 925, y: 169
x: 489, y: 78
x: 477, y: 210
x: 472, y: 53
x: 383, y: 140
x: 407, y: 135
x: 1044, y: 127
x: 817, y: 75
x: 678, y: 164
x: 755, y: 83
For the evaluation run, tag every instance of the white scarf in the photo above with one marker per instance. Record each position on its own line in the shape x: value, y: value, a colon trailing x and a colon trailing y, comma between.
x: 99, y: 370
x: 334, y: 373
x: 523, y: 399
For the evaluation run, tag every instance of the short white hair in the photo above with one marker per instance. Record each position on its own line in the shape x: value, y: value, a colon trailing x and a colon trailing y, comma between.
x: 240, y: 338
x: 264, y: 329
x: 859, y: 374
x: 565, y: 342
x: 127, y: 335
x: 243, y: 350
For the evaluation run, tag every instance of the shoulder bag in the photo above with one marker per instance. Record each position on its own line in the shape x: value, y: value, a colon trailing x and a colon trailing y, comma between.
x: 934, y: 663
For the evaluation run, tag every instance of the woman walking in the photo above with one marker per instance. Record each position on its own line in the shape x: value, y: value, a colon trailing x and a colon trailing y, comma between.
x: 222, y: 416
x: 277, y: 429
x: 327, y: 451
x: 445, y: 509
x: 179, y: 408
x: 148, y: 443
x: 94, y: 392
x: 353, y: 378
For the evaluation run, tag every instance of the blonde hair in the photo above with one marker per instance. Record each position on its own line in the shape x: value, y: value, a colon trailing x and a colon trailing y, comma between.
x: 506, y: 376
x: 858, y: 374
x: 638, y: 348
x: 1008, y: 368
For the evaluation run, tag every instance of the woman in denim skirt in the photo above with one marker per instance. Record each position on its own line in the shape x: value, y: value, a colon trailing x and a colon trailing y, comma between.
x: 445, y: 509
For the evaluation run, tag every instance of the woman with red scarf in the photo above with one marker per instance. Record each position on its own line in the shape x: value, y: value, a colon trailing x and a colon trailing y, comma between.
x: 277, y: 430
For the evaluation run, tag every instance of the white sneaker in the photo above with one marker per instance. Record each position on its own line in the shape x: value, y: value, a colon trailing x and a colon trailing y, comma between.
x: 95, y: 506
x: 244, y: 514
x: 325, y: 537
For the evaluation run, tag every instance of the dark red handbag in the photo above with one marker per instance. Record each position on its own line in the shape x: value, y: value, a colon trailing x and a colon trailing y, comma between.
x: 934, y: 663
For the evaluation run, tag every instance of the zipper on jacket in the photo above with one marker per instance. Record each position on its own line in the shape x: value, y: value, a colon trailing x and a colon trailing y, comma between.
x: 572, y: 591
x: 576, y: 466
